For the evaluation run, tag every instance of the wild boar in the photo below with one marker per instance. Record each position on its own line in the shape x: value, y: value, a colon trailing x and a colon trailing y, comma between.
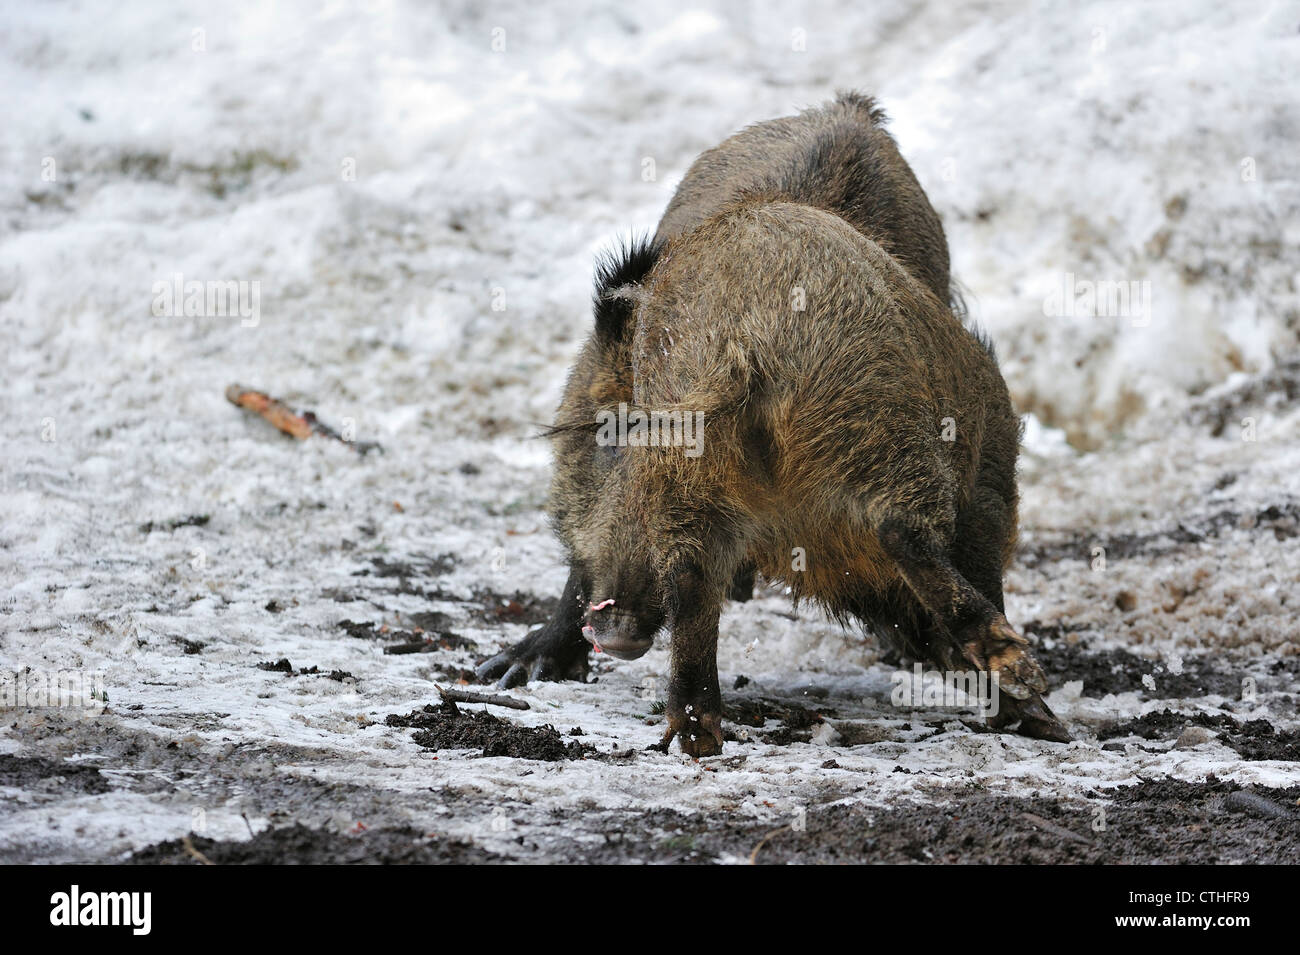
x: 858, y: 441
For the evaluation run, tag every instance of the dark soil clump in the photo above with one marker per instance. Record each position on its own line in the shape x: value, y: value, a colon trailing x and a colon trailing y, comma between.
x: 1119, y: 671
x: 33, y: 772
x: 1253, y: 739
x: 446, y: 726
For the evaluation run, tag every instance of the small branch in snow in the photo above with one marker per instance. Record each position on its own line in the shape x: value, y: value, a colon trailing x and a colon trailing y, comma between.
x: 299, y: 424
x: 753, y: 856
x: 469, y: 696
x: 188, y: 846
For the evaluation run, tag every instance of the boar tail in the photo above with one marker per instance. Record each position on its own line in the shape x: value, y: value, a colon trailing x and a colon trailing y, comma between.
x: 864, y: 104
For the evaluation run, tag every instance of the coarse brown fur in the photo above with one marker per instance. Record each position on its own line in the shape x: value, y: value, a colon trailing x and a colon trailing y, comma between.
x: 822, y: 158
x: 858, y: 443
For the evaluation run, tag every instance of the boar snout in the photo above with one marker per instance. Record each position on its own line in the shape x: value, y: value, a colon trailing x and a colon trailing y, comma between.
x: 618, y: 633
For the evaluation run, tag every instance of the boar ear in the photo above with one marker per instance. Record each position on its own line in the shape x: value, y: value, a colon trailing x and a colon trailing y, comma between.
x: 616, y: 272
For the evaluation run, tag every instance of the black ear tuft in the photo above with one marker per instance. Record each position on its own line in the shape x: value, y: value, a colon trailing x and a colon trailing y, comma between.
x: 615, y: 270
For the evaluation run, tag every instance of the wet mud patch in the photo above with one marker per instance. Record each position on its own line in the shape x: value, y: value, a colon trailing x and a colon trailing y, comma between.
x: 1252, y: 739
x: 49, y: 775
x: 515, y: 607
x: 797, y: 722
x: 300, y: 845
x: 417, y: 640
x: 1119, y: 671
x: 1281, y: 520
x: 193, y: 520
x: 447, y: 726
x: 417, y: 577
x: 409, y: 568
x: 1280, y: 385
x: 429, y: 621
x: 1164, y: 821
x: 456, y: 676
x: 429, y: 643
x: 283, y: 665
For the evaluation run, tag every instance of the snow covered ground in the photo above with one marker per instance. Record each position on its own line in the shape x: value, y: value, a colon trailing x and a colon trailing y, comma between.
x: 412, y: 196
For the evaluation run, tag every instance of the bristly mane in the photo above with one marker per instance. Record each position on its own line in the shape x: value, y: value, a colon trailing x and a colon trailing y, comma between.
x: 626, y: 265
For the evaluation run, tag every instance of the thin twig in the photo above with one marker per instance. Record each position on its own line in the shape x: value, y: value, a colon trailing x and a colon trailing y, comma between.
x: 189, y: 847
x: 299, y: 424
x: 753, y: 856
x: 469, y: 696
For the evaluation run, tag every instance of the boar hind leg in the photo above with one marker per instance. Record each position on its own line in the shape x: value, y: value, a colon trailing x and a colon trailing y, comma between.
x: 694, y: 698
x: 979, y: 552
x: 981, y: 541
x: 558, y: 651
x: 978, y: 631
x: 742, y: 585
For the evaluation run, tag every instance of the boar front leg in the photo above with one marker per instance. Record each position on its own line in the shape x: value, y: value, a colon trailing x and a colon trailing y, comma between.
x: 979, y: 632
x: 558, y: 651
x: 694, y: 697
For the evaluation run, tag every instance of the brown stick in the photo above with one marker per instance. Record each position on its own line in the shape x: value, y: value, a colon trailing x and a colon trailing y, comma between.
x: 468, y: 696
x: 188, y: 846
x: 272, y: 409
x: 753, y: 856
x: 300, y: 425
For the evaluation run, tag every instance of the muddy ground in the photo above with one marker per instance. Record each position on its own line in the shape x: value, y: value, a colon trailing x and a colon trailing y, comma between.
x: 1165, y: 822
x: 291, y: 816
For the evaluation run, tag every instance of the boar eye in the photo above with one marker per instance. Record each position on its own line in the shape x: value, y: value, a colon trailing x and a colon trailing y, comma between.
x: 607, y: 453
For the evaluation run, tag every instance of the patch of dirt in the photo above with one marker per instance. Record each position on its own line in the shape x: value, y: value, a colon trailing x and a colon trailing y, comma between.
x: 485, y: 606
x: 48, y: 775
x: 194, y: 520
x: 446, y: 726
x: 283, y: 665
x: 1280, y: 384
x: 1253, y: 739
x: 236, y: 173
x: 1119, y: 671
x: 457, y: 676
x: 1167, y: 822
x: 360, y: 630
x: 1282, y: 520
x: 429, y: 643
x: 797, y: 722
x: 430, y: 621
x: 516, y: 607
x: 190, y: 647
x: 434, y: 566
x: 299, y: 845
x: 419, y: 640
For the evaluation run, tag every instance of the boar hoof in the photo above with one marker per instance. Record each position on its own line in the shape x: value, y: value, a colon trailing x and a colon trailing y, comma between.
x: 1037, y: 721
x: 700, y: 734
x: 997, y: 648
x: 539, y: 656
